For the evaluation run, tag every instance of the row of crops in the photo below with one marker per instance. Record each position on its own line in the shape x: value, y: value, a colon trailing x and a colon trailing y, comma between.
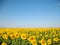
x: 29, y: 37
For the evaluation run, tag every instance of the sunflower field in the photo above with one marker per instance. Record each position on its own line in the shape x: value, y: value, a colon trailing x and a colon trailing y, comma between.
x: 29, y: 36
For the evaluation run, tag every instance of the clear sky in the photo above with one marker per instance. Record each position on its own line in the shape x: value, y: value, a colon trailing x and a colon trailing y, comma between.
x: 29, y: 13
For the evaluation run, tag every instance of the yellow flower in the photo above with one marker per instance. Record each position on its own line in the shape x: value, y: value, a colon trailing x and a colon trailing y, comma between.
x: 0, y: 33
x: 17, y: 35
x: 34, y: 42
x: 3, y: 43
x: 24, y: 36
x: 43, y: 42
x: 49, y: 41
x: 31, y: 38
x: 5, y: 36
x: 12, y: 36
x: 56, y: 39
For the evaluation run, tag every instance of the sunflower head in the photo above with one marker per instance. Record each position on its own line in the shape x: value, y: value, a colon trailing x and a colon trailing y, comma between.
x: 3, y: 43
x: 49, y: 41
x: 0, y: 33
x: 31, y: 38
x: 5, y: 36
x: 17, y: 35
x: 12, y: 36
x: 56, y: 39
x: 43, y: 42
x: 24, y: 36
x: 34, y: 42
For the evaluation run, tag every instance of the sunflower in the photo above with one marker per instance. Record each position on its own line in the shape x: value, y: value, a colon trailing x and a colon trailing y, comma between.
x: 56, y: 39
x: 43, y: 42
x: 31, y: 38
x: 5, y: 36
x: 12, y: 36
x: 3, y: 43
x: 49, y: 41
x: 0, y: 33
x: 24, y: 36
x: 34, y: 42
x: 17, y: 35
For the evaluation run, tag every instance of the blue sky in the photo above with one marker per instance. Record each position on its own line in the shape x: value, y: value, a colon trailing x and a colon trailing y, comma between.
x: 29, y: 13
